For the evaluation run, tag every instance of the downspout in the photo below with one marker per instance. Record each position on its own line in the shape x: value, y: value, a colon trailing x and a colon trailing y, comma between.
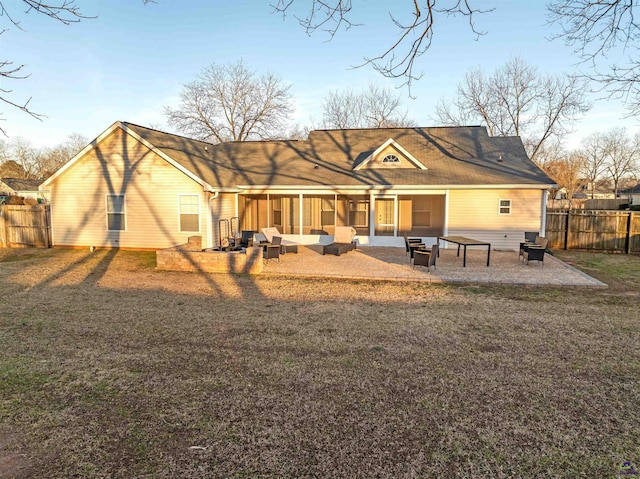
x: 543, y: 222
x: 213, y: 196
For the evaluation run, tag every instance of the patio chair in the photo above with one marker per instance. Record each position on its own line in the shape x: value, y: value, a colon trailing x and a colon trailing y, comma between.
x: 271, y: 233
x: 409, y: 242
x: 424, y: 257
x: 535, y: 253
x: 271, y: 251
x: 342, y: 241
x: 246, y: 240
x: 540, y: 242
x: 284, y: 248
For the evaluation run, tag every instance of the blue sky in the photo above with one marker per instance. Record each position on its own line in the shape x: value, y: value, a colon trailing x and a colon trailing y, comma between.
x: 131, y: 61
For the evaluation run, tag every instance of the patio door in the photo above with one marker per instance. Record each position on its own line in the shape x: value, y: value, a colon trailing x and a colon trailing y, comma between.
x: 385, y: 217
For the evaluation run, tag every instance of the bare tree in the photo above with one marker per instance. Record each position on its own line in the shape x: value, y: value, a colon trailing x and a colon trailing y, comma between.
x: 415, y: 27
x: 20, y: 159
x: 516, y: 100
x: 594, y: 151
x: 595, y: 28
x: 621, y: 156
x: 50, y: 159
x: 23, y: 159
x: 231, y: 102
x: 374, y: 107
x: 63, y: 11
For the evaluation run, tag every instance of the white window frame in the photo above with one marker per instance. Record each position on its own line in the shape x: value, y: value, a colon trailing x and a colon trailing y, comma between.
x: 180, y: 196
x: 367, y: 211
x: 501, y: 206
x: 123, y: 213
x: 391, y: 158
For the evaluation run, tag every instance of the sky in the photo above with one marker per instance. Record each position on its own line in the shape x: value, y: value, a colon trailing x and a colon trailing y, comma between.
x: 132, y: 60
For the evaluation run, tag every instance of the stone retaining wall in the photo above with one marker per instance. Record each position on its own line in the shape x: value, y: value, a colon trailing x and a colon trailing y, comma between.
x: 190, y: 257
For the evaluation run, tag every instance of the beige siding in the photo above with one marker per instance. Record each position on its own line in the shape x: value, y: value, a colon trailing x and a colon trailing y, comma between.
x: 222, y: 208
x: 474, y: 213
x: 120, y: 165
x: 376, y: 162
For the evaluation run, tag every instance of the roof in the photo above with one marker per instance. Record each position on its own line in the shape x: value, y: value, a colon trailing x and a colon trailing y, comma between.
x: 17, y: 184
x: 451, y: 156
x: 632, y: 190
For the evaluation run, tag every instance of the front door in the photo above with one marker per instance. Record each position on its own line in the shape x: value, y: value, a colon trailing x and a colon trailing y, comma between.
x: 385, y: 218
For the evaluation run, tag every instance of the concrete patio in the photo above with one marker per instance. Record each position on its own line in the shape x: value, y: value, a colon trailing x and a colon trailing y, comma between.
x: 392, y: 264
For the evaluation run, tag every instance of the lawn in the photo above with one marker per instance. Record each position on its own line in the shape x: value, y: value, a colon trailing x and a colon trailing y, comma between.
x: 109, y: 368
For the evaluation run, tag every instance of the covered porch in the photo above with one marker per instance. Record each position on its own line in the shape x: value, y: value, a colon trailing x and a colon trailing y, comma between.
x: 380, y: 218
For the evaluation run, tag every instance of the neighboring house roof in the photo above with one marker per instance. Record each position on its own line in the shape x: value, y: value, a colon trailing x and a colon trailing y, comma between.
x: 17, y: 184
x: 439, y: 157
x: 633, y: 190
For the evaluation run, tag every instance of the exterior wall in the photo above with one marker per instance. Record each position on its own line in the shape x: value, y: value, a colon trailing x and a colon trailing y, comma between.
x: 222, y: 208
x: 474, y: 213
x: 120, y: 165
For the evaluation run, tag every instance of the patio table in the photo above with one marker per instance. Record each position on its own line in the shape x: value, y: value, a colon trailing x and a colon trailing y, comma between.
x: 464, y: 242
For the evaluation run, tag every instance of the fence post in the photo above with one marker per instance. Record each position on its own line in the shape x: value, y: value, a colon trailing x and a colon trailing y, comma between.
x: 628, y: 236
x: 566, y: 230
x: 4, y: 235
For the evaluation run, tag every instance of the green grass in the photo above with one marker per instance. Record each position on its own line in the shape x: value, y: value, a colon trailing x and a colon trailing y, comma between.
x: 109, y: 368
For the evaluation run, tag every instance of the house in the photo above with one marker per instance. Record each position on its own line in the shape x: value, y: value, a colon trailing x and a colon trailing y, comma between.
x: 137, y: 187
x: 23, y: 188
x: 632, y: 194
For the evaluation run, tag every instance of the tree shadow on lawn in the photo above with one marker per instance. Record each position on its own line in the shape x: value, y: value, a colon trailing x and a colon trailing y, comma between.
x: 152, y: 373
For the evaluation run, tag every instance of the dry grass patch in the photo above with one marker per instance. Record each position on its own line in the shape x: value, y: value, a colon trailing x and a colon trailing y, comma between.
x: 111, y: 369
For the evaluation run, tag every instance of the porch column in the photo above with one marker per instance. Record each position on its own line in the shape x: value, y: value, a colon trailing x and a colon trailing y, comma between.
x: 445, y: 229
x: 372, y: 217
x: 300, y: 217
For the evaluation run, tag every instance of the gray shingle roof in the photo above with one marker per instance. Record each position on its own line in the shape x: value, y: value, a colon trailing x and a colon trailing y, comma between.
x: 633, y: 189
x: 17, y: 184
x: 464, y: 156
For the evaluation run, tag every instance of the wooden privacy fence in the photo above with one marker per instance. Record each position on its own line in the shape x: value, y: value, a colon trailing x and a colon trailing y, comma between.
x: 23, y: 226
x: 594, y: 230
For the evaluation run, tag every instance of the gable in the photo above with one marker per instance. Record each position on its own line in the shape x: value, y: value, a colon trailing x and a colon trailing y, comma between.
x: 109, y: 148
x: 390, y: 155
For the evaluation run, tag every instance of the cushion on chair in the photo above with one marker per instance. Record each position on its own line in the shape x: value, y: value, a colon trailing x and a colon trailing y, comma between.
x: 269, y: 233
x: 344, y: 234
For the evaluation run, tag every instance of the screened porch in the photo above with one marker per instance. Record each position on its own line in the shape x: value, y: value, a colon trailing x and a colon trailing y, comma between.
x: 373, y: 216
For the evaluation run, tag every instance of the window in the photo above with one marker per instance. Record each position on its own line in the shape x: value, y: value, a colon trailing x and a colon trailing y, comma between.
x: 421, y: 212
x: 359, y: 213
x: 115, y: 213
x: 504, y: 207
x: 391, y: 159
x: 328, y: 212
x: 189, y: 213
x: 276, y: 211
